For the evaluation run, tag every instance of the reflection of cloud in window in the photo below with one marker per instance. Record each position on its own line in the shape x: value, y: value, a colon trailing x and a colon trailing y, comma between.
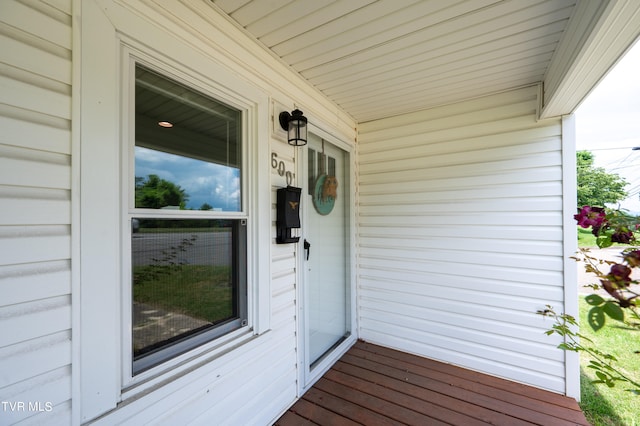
x: 204, y: 182
x: 153, y: 156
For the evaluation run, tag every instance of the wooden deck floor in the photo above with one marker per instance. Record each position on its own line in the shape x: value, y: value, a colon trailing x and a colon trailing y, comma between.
x: 372, y: 385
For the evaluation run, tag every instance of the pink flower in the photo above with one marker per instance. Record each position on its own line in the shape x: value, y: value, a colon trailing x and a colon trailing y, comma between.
x: 590, y: 216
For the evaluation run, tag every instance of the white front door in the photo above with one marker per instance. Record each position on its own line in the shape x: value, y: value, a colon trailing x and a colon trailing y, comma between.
x: 326, y: 258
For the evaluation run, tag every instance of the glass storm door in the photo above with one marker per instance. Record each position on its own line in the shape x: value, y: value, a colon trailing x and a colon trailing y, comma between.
x: 327, y: 294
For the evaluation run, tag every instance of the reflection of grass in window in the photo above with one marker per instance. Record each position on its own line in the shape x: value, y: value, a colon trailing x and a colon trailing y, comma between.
x: 199, y: 291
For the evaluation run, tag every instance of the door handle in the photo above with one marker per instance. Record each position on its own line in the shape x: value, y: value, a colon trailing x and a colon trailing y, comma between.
x: 307, y: 248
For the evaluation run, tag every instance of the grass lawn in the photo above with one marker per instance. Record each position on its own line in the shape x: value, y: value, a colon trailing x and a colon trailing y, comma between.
x: 586, y: 238
x: 603, y: 405
x: 199, y: 291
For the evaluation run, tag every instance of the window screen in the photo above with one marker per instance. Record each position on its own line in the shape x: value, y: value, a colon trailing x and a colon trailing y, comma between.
x: 188, y: 270
x: 188, y: 284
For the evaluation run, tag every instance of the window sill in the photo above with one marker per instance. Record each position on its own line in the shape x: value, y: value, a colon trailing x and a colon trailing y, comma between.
x: 209, y: 355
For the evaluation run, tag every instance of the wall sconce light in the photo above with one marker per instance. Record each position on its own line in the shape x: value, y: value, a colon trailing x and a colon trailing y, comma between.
x: 295, y: 124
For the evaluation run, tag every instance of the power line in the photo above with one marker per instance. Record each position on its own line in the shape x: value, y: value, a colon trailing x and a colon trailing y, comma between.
x: 622, y: 167
x: 625, y: 158
x: 609, y: 149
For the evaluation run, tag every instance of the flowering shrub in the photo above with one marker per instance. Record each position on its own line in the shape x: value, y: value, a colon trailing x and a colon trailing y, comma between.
x: 591, y: 216
x: 609, y: 227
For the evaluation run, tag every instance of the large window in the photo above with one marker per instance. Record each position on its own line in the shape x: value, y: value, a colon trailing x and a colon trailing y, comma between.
x: 164, y: 286
x: 188, y: 226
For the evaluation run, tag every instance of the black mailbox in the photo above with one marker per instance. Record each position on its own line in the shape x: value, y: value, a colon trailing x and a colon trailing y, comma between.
x: 288, y: 215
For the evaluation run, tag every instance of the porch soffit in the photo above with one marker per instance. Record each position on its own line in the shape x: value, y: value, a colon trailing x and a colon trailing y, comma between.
x: 383, y: 58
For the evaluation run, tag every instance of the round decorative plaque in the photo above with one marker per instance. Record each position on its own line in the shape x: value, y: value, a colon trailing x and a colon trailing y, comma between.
x: 325, y: 193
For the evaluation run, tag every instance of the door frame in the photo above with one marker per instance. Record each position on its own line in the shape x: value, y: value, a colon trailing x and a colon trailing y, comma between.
x: 306, y: 376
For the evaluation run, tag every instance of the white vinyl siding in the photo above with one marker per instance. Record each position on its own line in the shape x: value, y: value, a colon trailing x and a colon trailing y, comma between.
x: 253, y: 383
x: 248, y: 382
x: 35, y: 194
x: 459, y: 221
x: 460, y: 235
x: 283, y: 256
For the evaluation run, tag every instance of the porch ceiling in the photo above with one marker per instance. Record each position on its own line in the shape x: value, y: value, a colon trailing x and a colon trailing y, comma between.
x: 383, y: 58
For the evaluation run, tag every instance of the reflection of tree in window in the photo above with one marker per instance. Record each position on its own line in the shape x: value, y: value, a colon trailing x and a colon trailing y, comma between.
x: 155, y: 193
x: 200, y: 152
x: 188, y: 263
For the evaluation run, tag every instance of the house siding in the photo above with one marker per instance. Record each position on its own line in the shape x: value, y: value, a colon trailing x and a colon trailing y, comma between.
x: 459, y: 227
x: 255, y: 381
x: 35, y: 193
x: 460, y: 235
x: 40, y: 191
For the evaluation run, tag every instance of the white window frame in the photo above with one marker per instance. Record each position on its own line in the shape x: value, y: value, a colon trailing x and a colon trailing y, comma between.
x: 131, y: 58
x: 101, y: 378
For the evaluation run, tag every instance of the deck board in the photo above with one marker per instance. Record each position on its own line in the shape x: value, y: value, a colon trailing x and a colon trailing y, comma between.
x: 371, y: 385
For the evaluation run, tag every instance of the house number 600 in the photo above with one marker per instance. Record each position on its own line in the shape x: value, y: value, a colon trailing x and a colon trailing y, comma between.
x: 280, y: 167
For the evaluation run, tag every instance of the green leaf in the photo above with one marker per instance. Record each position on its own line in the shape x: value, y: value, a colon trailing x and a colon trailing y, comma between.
x: 604, y: 241
x: 594, y: 300
x: 567, y: 347
x: 585, y: 338
x: 596, y: 318
x: 614, y: 311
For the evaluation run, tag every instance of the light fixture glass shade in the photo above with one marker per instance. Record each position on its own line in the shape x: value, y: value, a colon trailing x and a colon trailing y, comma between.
x: 297, y: 129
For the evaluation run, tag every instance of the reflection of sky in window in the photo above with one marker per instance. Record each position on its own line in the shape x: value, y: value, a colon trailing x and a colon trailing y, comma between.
x: 215, y: 184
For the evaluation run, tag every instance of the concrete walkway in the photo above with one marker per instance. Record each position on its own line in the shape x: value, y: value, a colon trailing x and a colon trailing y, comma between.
x: 153, y: 325
x: 586, y: 278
